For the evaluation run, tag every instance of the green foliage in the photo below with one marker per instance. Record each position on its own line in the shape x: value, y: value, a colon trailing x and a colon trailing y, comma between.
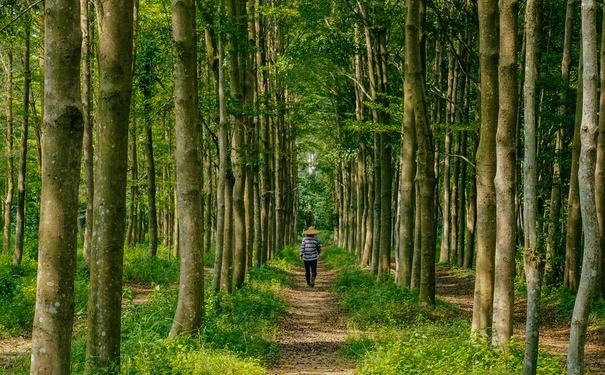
x: 315, y: 204
x: 337, y: 257
x: 238, y: 336
x: 403, y: 337
x: 286, y: 259
x: 151, y: 270
x: 371, y: 302
x: 445, y: 348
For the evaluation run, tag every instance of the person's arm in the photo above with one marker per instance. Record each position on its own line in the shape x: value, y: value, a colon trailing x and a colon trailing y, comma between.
x: 302, y: 248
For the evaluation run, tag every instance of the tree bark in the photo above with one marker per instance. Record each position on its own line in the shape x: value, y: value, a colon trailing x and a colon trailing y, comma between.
x: 462, y: 199
x: 369, y: 224
x: 106, y: 262
x: 86, y: 110
x: 600, y: 174
x: 10, y: 188
x: 506, y: 155
x: 534, y: 263
x: 223, y: 165
x: 237, y: 80
x: 486, y: 168
x: 190, y: 307
x: 20, y: 232
x: 552, y: 245
x: 62, y: 152
x: 425, y: 174
x: 573, y: 241
x: 469, y: 254
x: 586, y: 177
x: 445, y: 233
x: 406, y: 228
x: 151, y: 186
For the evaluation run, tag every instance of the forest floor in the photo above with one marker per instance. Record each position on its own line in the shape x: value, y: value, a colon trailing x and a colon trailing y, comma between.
x: 313, y: 330
x: 554, y: 326
x: 13, y: 348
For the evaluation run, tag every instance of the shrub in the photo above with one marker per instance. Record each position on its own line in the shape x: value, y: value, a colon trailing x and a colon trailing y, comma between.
x: 337, y: 257
x: 151, y: 270
x: 445, y: 348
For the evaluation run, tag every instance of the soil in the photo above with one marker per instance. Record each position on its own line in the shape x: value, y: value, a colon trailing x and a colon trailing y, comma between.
x: 554, y: 328
x: 313, y: 330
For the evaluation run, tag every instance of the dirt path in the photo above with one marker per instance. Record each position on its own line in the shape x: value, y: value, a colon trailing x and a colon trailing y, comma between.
x: 554, y: 329
x: 313, y: 331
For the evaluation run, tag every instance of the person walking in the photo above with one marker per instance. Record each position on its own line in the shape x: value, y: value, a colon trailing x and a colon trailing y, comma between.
x: 310, y: 248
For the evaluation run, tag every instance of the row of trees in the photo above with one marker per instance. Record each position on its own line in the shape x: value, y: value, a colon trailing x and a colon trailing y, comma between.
x: 491, y: 201
x: 229, y: 173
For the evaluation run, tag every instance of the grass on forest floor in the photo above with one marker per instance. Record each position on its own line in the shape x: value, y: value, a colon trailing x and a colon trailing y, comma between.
x: 400, y: 336
x: 238, y: 337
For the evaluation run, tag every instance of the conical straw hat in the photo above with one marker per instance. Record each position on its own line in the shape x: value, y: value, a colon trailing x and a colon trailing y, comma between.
x: 311, y: 231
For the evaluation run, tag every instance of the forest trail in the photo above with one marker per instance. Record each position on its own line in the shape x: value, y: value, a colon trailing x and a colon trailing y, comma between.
x: 554, y: 329
x: 313, y: 330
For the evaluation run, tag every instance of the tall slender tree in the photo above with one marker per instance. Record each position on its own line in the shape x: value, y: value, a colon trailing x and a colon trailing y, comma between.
x: 20, y: 232
x: 188, y: 316
x: 505, y: 177
x: 586, y: 177
x: 10, y: 184
x: 486, y: 168
x: 534, y: 262
x: 62, y: 152
x: 115, y: 22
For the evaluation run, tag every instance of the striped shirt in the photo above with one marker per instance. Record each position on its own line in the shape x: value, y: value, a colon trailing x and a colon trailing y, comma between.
x: 310, y: 248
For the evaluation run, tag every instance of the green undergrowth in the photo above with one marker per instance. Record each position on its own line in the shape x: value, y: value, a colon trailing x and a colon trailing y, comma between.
x: 439, y: 348
x: 399, y: 336
x: 239, y: 332
x: 287, y: 258
x: 336, y: 257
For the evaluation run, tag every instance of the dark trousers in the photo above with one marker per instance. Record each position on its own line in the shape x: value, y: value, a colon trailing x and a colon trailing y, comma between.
x: 310, y: 266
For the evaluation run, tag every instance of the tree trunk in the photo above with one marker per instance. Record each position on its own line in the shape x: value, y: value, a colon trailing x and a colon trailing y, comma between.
x: 20, y: 232
x: 62, y: 148
x: 586, y: 177
x: 10, y: 188
x: 534, y: 264
x: 462, y: 200
x: 425, y: 174
x: 573, y: 241
x: 106, y: 262
x: 406, y: 228
x: 454, y: 201
x: 469, y: 254
x: 600, y: 174
x: 369, y: 223
x: 190, y: 307
x: 86, y: 111
x: 132, y: 222
x: 444, y: 257
x: 486, y: 168
x: 416, y: 262
x: 227, y: 267
x: 552, y: 244
x: 151, y: 189
x: 222, y: 174
x: 238, y: 159
x: 359, y: 228
x: 506, y: 155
